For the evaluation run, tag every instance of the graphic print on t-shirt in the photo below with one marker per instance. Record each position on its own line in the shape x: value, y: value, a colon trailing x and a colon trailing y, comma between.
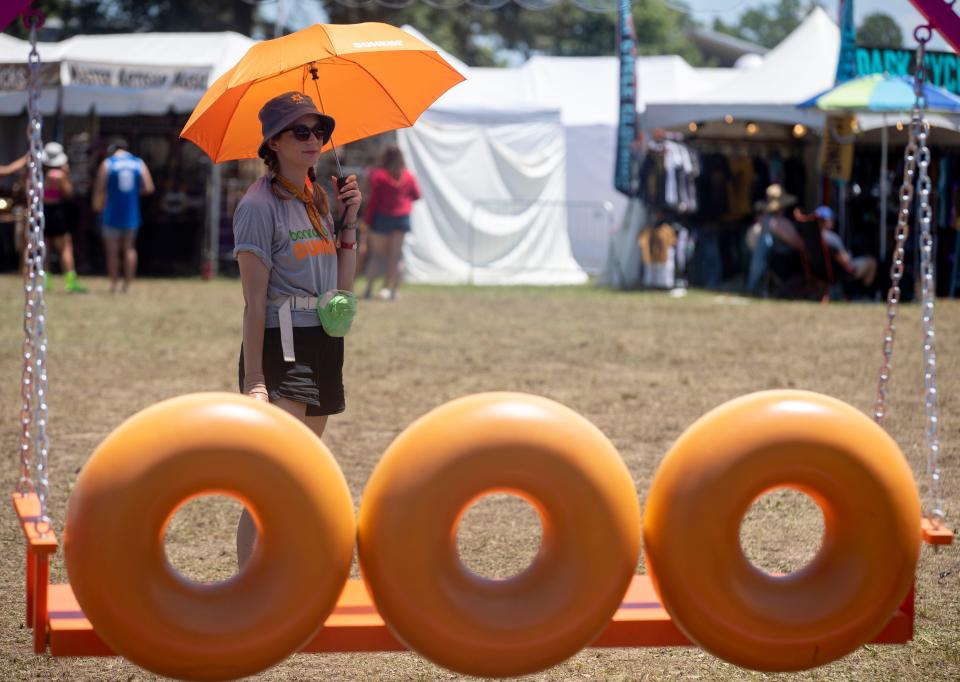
x: 309, y: 242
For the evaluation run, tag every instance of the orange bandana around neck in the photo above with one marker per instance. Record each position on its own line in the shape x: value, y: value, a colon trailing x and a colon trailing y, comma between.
x: 313, y: 213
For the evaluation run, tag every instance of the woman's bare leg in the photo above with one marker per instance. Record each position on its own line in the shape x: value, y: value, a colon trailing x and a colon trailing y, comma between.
x: 129, y: 258
x: 111, y: 246
x: 394, y: 256
x: 376, y: 261
x: 246, y: 528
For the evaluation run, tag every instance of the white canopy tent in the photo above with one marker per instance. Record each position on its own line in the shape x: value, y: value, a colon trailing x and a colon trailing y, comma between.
x: 119, y: 75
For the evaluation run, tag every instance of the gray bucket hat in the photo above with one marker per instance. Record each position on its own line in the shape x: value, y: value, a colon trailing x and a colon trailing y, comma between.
x: 277, y: 114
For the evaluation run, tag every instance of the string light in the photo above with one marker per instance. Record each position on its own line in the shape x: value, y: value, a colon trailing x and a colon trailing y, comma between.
x: 799, y: 130
x: 692, y: 126
x: 751, y: 128
x: 728, y: 119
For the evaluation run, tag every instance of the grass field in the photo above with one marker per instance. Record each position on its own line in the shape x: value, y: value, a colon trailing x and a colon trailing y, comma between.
x: 641, y: 366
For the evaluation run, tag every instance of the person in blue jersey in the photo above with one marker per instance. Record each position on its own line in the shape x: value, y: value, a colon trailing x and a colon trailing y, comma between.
x: 121, y: 180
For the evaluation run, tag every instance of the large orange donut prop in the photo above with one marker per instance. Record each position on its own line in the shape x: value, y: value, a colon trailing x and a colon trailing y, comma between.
x: 152, y: 464
x: 430, y: 475
x: 707, y: 482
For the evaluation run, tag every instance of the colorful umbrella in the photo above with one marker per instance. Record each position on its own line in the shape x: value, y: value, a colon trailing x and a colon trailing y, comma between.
x: 370, y: 77
x: 882, y: 93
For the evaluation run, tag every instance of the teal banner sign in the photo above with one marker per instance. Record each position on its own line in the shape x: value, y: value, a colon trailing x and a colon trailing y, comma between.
x: 943, y: 68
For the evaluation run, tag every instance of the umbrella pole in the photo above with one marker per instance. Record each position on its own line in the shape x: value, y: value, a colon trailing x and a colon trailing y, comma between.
x: 336, y: 157
x: 884, y: 144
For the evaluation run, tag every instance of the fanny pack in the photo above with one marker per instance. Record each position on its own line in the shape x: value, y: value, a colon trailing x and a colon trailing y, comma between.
x: 335, y: 309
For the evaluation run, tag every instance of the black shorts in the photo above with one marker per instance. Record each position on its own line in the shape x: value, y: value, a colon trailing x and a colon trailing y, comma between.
x: 56, y: 220
x: 314, y: 378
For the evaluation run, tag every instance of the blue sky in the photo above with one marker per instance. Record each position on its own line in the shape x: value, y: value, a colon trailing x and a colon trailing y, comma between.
x: 310, y: 11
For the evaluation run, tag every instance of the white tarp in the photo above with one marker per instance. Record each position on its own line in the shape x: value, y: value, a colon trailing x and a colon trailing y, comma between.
x: 492, y: 210
x: 122, y: 74
x: 493, y: 179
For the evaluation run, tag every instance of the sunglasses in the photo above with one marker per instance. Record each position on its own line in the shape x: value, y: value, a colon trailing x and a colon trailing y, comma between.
x: 302, y: 132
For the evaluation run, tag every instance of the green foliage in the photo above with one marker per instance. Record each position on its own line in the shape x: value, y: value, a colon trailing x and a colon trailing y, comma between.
x: 476, y: 35
x: 768, y: 26
x: 127, y: 16
x: 880, y: 30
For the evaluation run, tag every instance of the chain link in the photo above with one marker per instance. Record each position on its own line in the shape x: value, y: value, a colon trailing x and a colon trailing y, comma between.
x: 34, y: 443
x: 896, y: 273
x: 935, y: 510
x: 916, y: 170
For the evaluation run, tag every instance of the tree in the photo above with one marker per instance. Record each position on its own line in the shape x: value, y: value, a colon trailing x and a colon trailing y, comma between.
x: 128, y: 16
x: 768, y: 26
x: 880, y: 30
x: 477, y: 35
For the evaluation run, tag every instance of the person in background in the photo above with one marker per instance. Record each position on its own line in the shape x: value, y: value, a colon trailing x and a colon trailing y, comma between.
x: 779, y: 247
x: 121, y: 180
x: 861, y: 269
x: 57, y: 205
x: 393, y: 189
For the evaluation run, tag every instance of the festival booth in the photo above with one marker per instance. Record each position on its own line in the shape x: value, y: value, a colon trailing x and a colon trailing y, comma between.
x: 727, y: 144
x: 139, y: 86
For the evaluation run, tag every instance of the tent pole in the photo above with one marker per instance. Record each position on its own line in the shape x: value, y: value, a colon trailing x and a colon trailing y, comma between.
x: 884, y: 144
x: 211, y: 258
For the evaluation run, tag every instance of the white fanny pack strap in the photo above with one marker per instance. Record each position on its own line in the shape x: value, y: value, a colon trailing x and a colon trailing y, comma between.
x: 286, y: 321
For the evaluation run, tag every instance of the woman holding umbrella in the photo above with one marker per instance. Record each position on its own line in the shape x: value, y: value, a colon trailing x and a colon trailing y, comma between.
x: 292, y: 258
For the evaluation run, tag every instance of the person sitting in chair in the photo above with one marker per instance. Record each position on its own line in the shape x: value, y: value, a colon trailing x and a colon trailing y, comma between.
x: 861, y: 269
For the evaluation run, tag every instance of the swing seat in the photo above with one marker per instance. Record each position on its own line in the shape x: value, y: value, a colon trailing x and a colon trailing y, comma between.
x: 61, y: 628
x: 935, y: 535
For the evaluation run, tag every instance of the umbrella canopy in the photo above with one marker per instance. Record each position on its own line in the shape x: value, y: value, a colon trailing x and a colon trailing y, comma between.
x: 370, y: 77
x: 880, y: 93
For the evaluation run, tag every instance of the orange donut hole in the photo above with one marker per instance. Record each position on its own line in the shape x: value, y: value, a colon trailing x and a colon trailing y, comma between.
x: 535, y: 449
x: 704, y: 486
x: 168, y: 454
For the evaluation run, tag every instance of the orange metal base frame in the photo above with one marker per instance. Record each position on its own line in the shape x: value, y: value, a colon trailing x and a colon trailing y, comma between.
x: 60, y: 627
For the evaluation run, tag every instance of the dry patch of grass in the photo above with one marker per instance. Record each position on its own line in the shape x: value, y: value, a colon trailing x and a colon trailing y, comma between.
x: 642, y: 367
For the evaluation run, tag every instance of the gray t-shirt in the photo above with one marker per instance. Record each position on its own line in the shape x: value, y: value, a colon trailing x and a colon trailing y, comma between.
x: 278, y: 232
x: 833, y: 241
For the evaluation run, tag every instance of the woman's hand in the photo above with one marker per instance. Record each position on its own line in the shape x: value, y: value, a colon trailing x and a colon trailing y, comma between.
x: 349, y: 198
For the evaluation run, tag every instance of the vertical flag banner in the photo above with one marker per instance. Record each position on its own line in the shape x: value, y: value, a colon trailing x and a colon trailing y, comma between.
x: 627, y: 127
x: 847, y: 63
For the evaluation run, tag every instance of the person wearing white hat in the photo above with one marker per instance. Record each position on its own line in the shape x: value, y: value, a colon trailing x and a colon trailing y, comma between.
x: 58, y: 225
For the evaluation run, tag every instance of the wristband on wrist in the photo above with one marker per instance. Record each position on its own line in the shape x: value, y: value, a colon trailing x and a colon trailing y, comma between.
x: 348, y: 246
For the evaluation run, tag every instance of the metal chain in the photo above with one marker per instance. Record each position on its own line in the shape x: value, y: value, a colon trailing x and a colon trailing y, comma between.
x: 34, y: 385
x: 917, y: 154
x: 928, y: 293
x: 896, y: 271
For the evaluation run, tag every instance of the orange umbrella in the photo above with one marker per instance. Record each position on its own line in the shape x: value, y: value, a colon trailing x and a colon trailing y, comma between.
x: 370, y: 77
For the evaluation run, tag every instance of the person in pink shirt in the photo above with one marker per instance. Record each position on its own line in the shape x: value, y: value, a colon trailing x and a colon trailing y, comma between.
x: 393, y: 189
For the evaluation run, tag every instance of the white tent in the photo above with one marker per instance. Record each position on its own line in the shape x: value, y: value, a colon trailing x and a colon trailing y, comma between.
x: 493, y: 182
x: 578, y: 94
x: 801, y: 66
x: 118, y: 75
